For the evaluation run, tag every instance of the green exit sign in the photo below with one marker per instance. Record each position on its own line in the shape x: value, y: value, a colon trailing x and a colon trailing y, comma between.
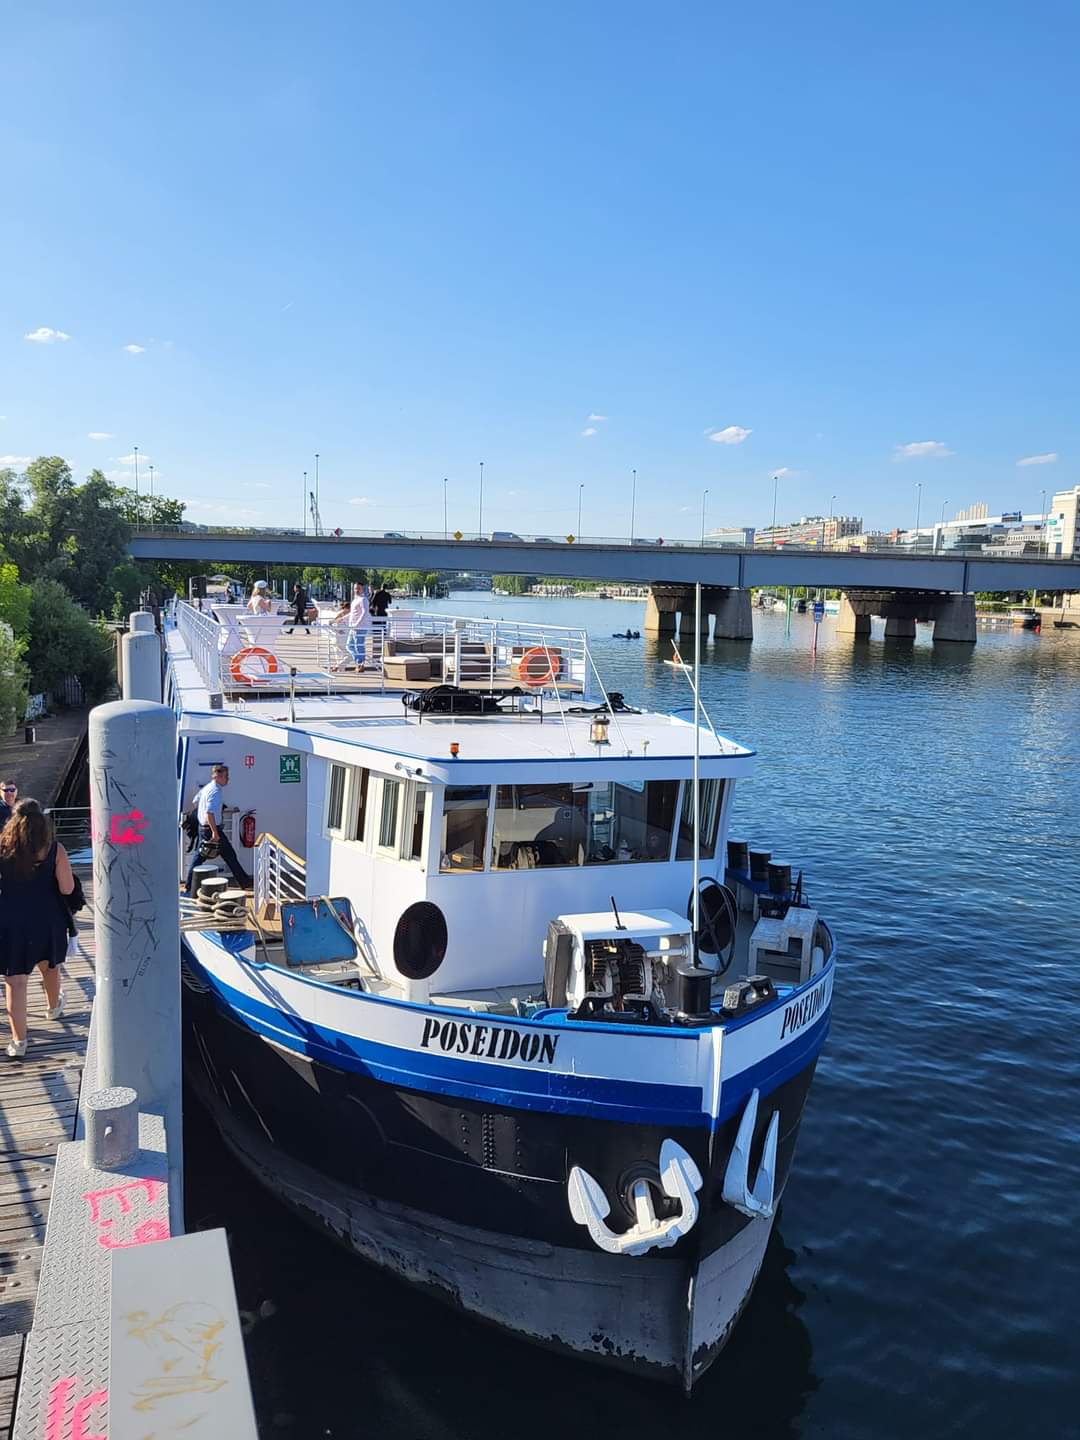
x: 289, y: 770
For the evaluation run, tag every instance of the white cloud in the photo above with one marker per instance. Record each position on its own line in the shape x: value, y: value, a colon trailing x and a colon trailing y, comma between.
x: 130, y: 459
x: 257, y: 485
x: 594, y: 416
x: 781, y: 472
x: 44, y: 335
x: 14, y: 462
x: 589, y: 430
x: 1050, y: 458
x: 135, y: 349
x: 100, y: 435
x: 922, y: 450
x: 360, y: 500
x: 729, y: 435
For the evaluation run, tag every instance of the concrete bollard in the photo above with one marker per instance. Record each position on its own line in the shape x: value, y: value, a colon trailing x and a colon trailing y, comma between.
x: 137, y: 911
x: 112, y: 1128
x: 141, y: 663
x: 141, y: 622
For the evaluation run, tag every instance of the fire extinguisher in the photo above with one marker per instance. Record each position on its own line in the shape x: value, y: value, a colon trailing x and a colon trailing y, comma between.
x: 247, y: 829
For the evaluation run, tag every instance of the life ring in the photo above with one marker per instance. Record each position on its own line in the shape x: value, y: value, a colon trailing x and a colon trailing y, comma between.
x: 236, y: 665
x: 538, y: 666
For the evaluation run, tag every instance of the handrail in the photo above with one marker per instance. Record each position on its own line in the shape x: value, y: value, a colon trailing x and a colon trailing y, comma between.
x: 280, y: 877
x: 280, y: 845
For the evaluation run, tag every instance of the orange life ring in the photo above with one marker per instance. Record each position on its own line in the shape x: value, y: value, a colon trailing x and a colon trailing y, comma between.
x: 538, y: 666
x: 236, y: 668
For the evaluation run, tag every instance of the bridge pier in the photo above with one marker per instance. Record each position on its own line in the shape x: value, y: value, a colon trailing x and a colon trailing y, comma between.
x: 851, y: 621
x: 661, y: 611
x: 954, y: 619
x: 953, y: 616
x: 669, y: 605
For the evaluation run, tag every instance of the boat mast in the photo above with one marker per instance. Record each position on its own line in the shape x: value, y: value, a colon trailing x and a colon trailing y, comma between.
x: 697, y: 763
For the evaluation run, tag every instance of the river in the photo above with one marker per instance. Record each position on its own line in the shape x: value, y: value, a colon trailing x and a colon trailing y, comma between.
x: 923, y: 1274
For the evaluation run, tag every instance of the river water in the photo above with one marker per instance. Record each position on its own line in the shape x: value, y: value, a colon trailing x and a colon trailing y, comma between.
x: 923, y: 1276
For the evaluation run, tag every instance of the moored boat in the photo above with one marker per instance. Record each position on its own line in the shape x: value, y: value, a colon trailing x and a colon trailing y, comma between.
x: 498, y: 1014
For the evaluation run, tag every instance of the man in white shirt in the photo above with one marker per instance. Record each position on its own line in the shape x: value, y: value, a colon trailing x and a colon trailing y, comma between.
x: 359, y: 614
x: 212, y: 839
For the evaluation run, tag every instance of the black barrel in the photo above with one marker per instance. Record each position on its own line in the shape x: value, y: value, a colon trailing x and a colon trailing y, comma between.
x: 759, y: 864
x: 738, y: 855
x: 779, y: 878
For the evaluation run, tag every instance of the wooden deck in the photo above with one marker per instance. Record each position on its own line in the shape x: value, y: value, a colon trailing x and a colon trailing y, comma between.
x: 38, y: 1102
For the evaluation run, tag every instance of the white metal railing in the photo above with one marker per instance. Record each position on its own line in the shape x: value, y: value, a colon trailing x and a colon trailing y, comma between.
x: 202, y: 636
x: 470, y: 648
x: 280, y: 876
x: 71, y: 826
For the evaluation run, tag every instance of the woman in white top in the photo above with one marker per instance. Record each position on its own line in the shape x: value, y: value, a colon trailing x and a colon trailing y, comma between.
x: 359, y: 614
x: 260, y: 603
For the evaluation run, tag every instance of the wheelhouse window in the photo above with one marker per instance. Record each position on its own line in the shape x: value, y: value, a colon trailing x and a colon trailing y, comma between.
x: 464, y: 827
x: 360, y: 798
x: 538, y: 826
x: 335, y: 804
x: 631, y: 822
x: 388, y: 814
x: 416, y: 836
x: 711, y: 802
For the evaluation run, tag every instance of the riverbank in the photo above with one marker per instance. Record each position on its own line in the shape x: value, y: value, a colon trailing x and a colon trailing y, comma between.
x: 40, y: 769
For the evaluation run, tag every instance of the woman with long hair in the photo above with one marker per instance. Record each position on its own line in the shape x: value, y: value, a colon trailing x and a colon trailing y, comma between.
x: 34, y: 873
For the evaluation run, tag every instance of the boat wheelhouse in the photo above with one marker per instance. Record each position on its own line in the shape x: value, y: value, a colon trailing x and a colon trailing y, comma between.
x: 465, y: 1019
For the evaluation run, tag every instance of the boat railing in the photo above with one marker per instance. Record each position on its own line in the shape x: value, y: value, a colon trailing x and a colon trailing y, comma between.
x: 471, y: 649
x: 280, y: 878
x: 71, y: 826
x: 202, y: 636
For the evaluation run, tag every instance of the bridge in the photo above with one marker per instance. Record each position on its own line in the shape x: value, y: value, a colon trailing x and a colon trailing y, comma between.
x: 902, y: 587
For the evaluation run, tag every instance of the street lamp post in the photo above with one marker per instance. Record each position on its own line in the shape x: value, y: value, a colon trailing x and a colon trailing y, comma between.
x: 1044, y: 548
x: 318, y: 511
x: 941, y: 527
x: 480, y: 522
x: 151, y: 496
x: 832, y: 501
x: 305, y: 502
x: 704, y: 497
x: 445, y: 526
x: 775, y: 484
x: 136, y: 488
x: 633, y: 503
x: 580, y: 490
x: 918, y: 510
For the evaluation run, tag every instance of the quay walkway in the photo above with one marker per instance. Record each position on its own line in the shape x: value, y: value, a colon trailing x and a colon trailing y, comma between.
x: 39, y: 1099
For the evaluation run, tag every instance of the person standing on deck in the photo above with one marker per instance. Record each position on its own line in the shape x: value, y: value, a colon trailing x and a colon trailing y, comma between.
x: 380, y: 605
x: 300, y: 608
x: 9, y: 793
x: 35, y: 873
x: 359, y: 613
x: 212, y: 839
x: 260, y: 602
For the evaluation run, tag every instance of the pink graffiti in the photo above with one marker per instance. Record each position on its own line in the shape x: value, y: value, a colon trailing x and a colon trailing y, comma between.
x: 146, y: 1232
x: 56, y: 1415
x: 127, y: 829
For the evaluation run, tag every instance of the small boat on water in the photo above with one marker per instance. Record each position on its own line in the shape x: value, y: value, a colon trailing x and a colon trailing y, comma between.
x: 506, y: 1013
x: 1026, y: 616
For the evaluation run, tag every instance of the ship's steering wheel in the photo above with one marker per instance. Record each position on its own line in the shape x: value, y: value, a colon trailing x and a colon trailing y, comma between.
x: 718, y: 920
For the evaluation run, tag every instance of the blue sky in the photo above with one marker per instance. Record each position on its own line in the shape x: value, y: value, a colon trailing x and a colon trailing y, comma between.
x: 417, y: 236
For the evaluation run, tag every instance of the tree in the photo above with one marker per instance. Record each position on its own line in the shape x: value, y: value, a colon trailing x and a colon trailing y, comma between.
x: 12, y: 681
x: 14, y: 603
x: 65, y: 641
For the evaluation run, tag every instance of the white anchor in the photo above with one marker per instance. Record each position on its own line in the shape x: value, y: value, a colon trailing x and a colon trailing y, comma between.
x: 758, y: 1199
x: 680, y: 1178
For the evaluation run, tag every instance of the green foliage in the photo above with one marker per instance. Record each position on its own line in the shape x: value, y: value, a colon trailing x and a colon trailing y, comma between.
x: 14, y: 603
x: 516, y: 584
x: 12, y: 681
x: 65, y: 641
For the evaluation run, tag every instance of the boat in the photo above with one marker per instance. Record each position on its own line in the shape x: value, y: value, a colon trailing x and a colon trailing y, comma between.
x: 1026, y: 616
x: 505, y: 1012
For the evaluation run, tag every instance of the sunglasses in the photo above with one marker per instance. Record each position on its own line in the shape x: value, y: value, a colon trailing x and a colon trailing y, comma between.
x: 8, y: 790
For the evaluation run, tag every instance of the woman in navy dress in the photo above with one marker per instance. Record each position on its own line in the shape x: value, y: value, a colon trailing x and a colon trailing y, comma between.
x: 34, y: 873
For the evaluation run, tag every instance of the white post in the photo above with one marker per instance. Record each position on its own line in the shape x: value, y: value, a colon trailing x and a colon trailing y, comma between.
x: 141, y: 659
x: 137, y: 914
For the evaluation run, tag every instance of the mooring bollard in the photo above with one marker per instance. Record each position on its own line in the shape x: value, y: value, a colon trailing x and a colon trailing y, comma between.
x: 140, y: 659
x: 137, y: 911
x: 112, y: 1128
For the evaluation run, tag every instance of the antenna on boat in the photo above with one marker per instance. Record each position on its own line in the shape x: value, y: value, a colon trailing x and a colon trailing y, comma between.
x: 618, y: 923
x: 696, y: 919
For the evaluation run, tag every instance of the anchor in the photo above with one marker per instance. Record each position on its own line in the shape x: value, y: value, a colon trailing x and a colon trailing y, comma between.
x: 680, y: 1178
x: 758, y: 1199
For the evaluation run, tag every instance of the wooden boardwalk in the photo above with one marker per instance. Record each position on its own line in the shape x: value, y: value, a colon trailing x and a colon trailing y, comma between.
x: 39, y: 1098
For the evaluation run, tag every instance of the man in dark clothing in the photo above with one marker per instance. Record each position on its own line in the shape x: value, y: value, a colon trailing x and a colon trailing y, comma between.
x: 9, y: 793
x: 300, y: 606
x: 380, y: 603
